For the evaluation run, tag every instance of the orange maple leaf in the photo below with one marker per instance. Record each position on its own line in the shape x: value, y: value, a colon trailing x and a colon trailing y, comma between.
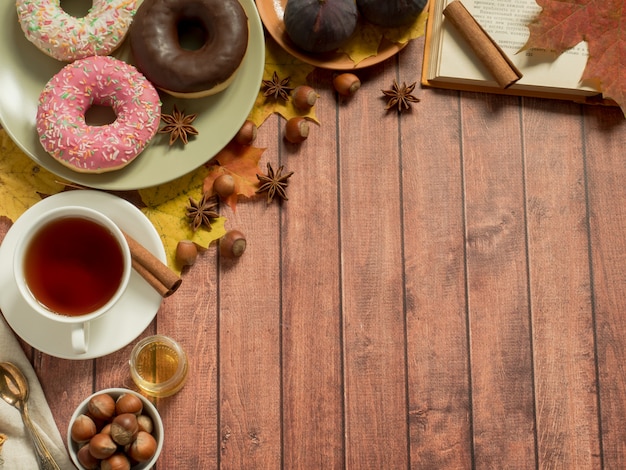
x: 242, y: 163
x: 562, y: 24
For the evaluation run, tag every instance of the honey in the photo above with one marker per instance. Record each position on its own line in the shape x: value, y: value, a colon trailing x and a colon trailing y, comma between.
x: 158, y: 366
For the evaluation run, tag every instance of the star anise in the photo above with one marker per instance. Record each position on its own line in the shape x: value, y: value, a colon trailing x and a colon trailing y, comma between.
x: 178, y: 125
x: 277, y: 88
x: 202, y: 212
x: 400, y: 96
x: 274, y: 183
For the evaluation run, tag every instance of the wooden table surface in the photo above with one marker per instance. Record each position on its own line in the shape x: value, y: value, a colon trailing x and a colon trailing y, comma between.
x: 444, y: 289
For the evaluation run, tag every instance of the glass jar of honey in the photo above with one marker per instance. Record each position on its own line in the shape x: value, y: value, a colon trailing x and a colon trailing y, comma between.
x: 158, y: 366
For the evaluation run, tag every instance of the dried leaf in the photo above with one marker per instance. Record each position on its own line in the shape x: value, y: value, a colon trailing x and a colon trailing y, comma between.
x: 242, y: 163
x: 363, y: 43
x: 404, y: 34
x: 22, y: 181
x: 562, y: 24
x: 165, y: 207
x: 366, y: 40
x: 285, y: 65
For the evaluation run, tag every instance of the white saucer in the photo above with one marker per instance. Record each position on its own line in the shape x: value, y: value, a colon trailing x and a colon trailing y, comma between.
x: 110, y: 332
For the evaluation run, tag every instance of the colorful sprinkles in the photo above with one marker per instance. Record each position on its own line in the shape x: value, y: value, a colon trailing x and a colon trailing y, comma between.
x: 67, y: 38
x: 104, y: 81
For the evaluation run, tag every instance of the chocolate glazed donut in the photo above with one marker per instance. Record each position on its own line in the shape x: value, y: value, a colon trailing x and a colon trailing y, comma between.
x: 155, y: 39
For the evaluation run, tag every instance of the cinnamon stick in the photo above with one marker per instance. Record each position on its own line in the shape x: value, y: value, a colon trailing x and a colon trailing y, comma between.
x: 156, y: 273
x: 489, y: 53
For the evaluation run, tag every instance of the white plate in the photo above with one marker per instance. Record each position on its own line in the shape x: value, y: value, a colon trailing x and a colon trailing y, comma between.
x: 25, y: 71
x: 108, y: 333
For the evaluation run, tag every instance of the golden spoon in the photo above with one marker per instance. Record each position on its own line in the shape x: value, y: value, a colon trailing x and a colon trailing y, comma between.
x: 14, y: 390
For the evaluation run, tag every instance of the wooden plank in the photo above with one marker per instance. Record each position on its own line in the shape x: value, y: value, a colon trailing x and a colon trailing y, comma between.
x: 311, y: 325
x: 562, y: 317
x: 605, y: 139
x: 190, y: 318
x: 432, y: 194
x: 250, y: 310
x: 63, y: 395
x: 372, y: 278
x: 500, y: 346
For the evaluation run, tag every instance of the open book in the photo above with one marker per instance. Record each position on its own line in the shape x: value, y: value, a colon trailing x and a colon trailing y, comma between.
x: 450, y: 63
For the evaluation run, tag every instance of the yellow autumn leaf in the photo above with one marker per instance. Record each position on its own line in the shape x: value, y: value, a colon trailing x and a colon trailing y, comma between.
x: 367, y: 38
x: 22, y: 181
x: 285, y: 65
x: 405, y: 34
x: 363, y: 43
x: 166, y: 207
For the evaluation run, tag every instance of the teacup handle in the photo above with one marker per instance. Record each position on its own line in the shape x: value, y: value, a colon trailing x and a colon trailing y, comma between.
x: 80, y: 337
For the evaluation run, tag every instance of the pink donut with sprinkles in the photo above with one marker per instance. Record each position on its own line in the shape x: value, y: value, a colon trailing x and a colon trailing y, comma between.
x: 105, y: 81
x: 67, y: 38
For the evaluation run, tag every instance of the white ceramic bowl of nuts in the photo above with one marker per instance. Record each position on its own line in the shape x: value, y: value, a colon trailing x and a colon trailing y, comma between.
x: 115, y: 429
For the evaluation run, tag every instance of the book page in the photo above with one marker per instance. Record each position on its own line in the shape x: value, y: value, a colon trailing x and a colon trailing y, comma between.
x: 506, y: 22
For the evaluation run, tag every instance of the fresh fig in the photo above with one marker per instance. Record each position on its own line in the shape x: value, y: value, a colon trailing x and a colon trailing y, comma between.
x: 320, y: 25
x: 391, y: 13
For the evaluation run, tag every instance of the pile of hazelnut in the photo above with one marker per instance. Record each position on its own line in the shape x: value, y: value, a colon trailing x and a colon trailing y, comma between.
x: 113, y: 434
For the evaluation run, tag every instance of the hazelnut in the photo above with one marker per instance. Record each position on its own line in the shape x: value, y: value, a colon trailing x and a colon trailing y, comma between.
x: 346, y: 84
x: 224, y: 185
x: 101, y: 406
x: 124, y: 428
x: 86, y: 459
x: 247, y: 133
x: 83, y: 428
x: 101, y: 446
x: 232, y: 244
x: 143, y: 447
x: 186, y: 252
x: 117, y: 461
x: 297, y: 130
x: 128, y: 403
x: 145, y: 423
x: 304, y: 97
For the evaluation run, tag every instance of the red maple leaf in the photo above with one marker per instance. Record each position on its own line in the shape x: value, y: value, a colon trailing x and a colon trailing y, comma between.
x: 602, y: 23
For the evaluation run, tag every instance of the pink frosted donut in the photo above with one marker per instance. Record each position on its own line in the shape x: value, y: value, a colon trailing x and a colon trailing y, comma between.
x: 68, y: 38
x: 104, y: 81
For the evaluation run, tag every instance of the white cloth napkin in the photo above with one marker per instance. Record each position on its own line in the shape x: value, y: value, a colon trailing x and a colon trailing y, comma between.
x: 17, y: 452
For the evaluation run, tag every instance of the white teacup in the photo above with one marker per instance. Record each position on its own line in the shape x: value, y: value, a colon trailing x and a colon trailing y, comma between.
x: 72, y: 267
